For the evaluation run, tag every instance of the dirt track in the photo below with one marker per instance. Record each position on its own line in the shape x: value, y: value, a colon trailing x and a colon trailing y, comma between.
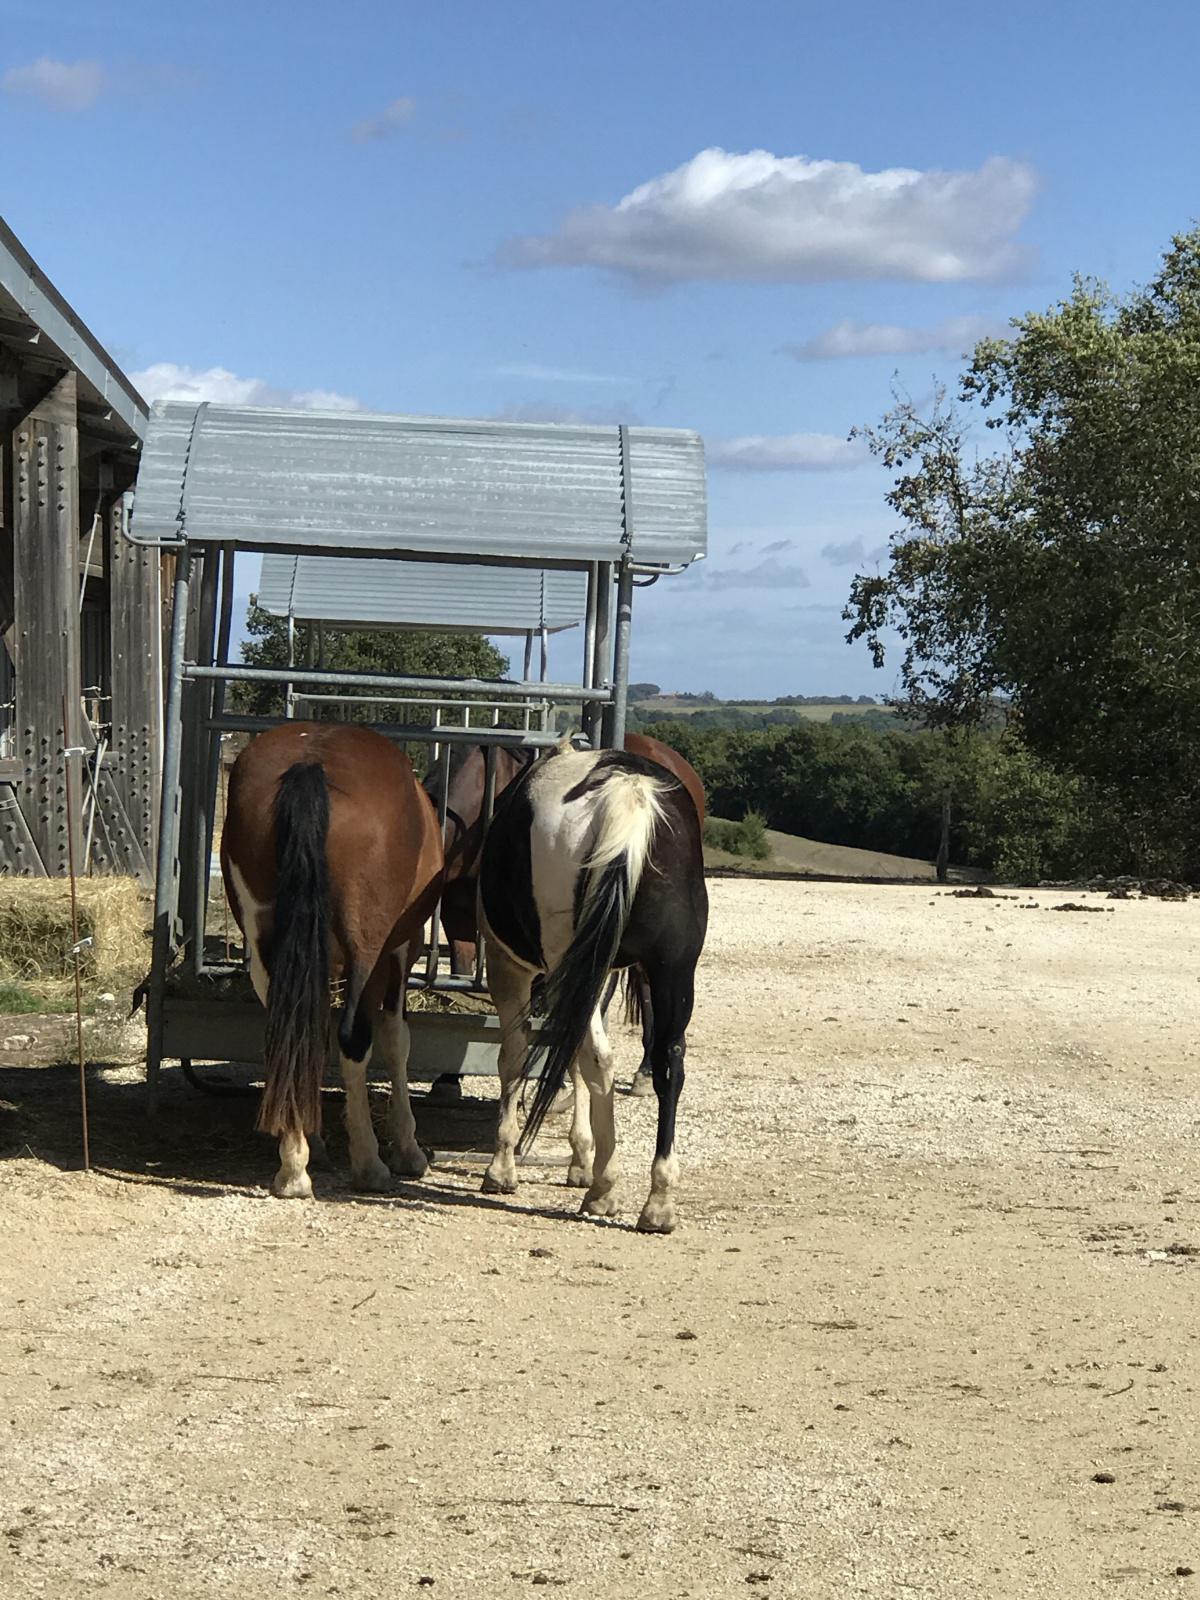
x: 937, y: 1272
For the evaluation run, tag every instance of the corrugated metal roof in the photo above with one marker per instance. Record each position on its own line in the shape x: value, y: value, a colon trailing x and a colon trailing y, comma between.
x: 367, y: 482
x: 28, y: 296
x: 421, y: 594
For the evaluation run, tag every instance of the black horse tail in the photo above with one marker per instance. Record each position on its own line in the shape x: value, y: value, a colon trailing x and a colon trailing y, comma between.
x: 297, y: 1038
x: 631, y: 810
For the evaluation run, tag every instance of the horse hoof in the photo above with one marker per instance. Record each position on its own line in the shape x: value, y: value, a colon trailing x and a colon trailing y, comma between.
x: 493, y: 1185
x: 292, y: 1188
x: 579, y: 1177
x: 375, y: 1179
x: 642, y: 1085
x: 656, y: 1218
x: 410, y: 1163
x: 598, y: 1206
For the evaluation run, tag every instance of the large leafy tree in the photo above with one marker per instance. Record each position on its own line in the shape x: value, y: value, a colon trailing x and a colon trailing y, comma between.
x: 409, y: 654
x: 1062, y: 571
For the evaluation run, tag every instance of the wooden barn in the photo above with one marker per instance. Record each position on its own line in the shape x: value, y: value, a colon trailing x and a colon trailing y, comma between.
x: 80, y: 607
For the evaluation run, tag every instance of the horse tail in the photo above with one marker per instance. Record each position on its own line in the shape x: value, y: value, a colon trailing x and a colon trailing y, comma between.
x: 630, y: 812
x: 297, y: 1037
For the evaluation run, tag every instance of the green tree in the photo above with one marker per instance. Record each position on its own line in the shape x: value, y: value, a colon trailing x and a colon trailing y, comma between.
x: 408, y: 654
x: 1062, y: 571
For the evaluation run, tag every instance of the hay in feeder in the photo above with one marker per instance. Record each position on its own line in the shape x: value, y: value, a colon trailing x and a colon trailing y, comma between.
x: 35, y: 933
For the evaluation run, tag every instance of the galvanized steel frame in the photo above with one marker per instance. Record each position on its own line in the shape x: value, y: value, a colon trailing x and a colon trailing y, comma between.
x: 195, y: 718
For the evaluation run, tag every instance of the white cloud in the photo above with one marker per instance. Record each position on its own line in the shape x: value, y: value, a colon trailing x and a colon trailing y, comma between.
x: 58, y: 85
x: 958, y: 334
x: 788, y: 452
x: 789, y: 219
x: 166, y: 380
x: 393, y: 119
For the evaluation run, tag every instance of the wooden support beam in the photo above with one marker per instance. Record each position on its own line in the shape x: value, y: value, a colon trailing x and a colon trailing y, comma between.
x: 46, y: 625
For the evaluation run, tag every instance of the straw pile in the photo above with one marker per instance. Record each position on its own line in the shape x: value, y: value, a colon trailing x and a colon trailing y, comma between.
x: 35, y: 933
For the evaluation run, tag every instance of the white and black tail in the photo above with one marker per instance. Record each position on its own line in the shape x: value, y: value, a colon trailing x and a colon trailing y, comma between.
x: 629, y: 812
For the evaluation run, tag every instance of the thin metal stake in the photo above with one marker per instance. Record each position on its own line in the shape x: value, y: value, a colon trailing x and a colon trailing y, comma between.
x: 75, y: 946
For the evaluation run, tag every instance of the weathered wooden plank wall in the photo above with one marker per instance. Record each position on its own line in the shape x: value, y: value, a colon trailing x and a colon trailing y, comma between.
x: 46, y: 619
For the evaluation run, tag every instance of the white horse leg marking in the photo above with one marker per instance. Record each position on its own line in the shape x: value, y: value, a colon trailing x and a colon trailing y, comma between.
x: 595, y: 1064
x: 292, y: 1181
x: 405, y: 1157
x: 583, y: 1149
x: 510, y: 985
x: 367, y: 1171
x: 253, y: 913
x: 658, y: 1214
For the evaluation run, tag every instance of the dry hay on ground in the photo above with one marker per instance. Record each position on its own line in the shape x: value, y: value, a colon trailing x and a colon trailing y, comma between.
x: 36, y: 934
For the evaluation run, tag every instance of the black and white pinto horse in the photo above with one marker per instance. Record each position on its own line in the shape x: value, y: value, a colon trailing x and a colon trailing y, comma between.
x: 593, y: 862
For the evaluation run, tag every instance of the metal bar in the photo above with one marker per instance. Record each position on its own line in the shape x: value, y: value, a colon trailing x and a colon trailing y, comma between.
x: 519, y: 738
x: 210, y: 742
x: 406, y: 700
x: 501, y: 690
x: 435, y: 923
x: 621, y: 656
x: 289, y: 697
x: 600, y: 695
x: 165, y: 883
x: 200, y: 706
x: 489, y: 805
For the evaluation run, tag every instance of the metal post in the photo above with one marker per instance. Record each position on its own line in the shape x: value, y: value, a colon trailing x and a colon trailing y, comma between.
x: 602, y: 658
x: 527, y: 669
x: 197, y: 710
x: 435, y: 925
x: 289, y: 696
x: 620, y: 703
x: 489, y: 805
x: 166, y: 882
x: 212, y: 758
x: 545, y: 661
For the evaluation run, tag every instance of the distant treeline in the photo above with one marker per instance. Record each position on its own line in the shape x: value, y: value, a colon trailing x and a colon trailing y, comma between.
x: 730, y: 714
x: 853, y: 784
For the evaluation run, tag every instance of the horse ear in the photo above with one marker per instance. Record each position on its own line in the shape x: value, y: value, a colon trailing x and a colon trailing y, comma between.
x: 564, y: 745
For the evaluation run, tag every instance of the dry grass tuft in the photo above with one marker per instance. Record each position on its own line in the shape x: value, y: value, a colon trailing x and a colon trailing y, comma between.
x: 35, y: 933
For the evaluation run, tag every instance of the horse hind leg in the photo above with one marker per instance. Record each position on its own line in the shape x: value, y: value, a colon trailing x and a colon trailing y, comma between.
x: 355, y: 1039
x: 643, y: 1078
x: 583, y: 1146
x: 594, y: 1064
x: 672, y: 995
x: 510, y: 986
x: 405, y: 1157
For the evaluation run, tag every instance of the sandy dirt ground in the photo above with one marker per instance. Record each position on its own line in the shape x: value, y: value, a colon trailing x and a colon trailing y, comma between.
x: 929, y: 1325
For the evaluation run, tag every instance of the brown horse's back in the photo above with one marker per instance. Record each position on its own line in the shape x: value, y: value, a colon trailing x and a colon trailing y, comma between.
x: 382, y: 848
x: 641, y: 744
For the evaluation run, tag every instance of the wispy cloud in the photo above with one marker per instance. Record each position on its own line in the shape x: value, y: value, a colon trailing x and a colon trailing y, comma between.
x: 73, y: 87
x: 847, y: 339
x: 789, y: 452
x: 536, y: 373
x: 393, y: 119
x: 167, y: 380
x: 849, y: 554
x: 70, y: 86
x: 791, y: 219
x: 769, y: 574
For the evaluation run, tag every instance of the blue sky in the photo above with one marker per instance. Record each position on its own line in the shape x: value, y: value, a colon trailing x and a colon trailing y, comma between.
x: 417, y: 208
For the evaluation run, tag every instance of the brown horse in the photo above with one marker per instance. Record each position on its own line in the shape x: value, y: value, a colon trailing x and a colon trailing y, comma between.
x: 332, y: 864
x: 464, y: 825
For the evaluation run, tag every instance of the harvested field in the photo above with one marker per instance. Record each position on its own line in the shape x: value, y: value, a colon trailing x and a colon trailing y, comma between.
x: 929, y: 1326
